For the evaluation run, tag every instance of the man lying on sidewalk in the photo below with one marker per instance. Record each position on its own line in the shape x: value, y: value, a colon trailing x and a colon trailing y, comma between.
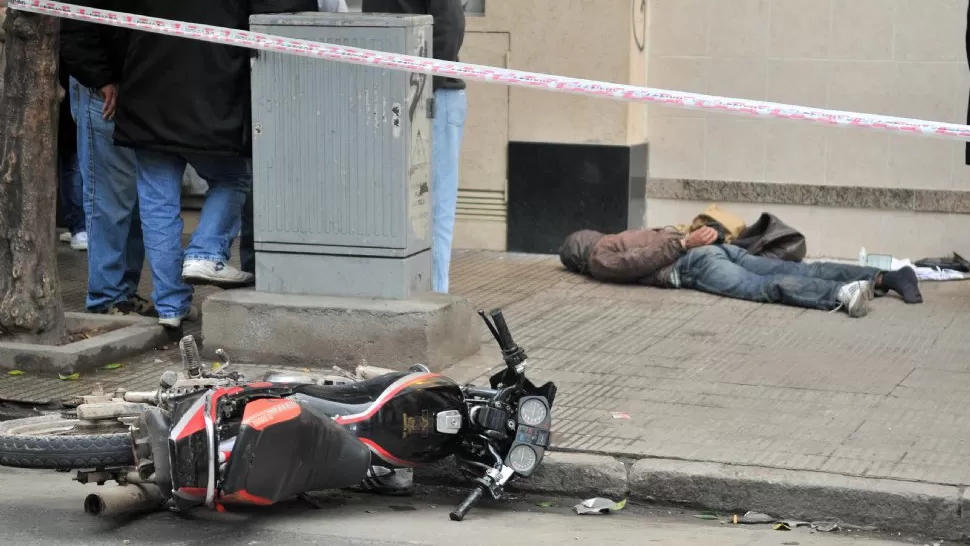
x: 669, y: 259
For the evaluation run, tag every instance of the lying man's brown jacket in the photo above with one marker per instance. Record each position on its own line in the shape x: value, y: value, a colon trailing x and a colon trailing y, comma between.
x: 643, y: 256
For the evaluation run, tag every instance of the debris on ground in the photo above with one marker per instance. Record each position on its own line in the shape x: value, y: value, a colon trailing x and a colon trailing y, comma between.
x: 620, y: 415
x: 825, y: 526
x: 788, y: 525
x: 755, y: 518
x: 598, y: 505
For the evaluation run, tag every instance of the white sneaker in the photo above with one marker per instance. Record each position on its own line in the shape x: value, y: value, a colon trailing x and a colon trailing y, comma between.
x: 215, y: 273
x: 80, y: 241
x: 192, y: 316
x: 854, y: 298
x: 65, y: 237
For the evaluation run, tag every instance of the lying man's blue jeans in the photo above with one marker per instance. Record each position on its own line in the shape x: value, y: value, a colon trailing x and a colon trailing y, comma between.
x: 451, y: 108
x: 116, y: 253
x: 160, y: 191
x: 727, y: 270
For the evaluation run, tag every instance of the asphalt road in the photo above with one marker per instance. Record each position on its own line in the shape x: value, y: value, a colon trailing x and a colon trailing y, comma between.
x: 45, y: 508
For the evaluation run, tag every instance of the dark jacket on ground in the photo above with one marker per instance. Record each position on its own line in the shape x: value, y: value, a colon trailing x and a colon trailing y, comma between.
x: 771, y: 238
x: 449, y: 28
x: 645, y: 256
x: 180, y: 95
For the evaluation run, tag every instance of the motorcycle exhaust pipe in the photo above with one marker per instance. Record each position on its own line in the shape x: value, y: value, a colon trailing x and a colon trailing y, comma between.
x: 124, y: 499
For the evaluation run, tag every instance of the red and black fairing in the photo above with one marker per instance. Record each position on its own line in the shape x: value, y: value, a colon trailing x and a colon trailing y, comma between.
x: 394, y: 415
x: 271, y: 441
x: 285, y: 448
x: 195, y: 437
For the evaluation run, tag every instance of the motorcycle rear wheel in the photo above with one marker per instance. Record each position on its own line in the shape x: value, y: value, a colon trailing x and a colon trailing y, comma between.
x: 55, y: 443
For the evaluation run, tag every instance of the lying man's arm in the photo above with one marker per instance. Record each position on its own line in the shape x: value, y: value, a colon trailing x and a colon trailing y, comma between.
x: 610, y: 261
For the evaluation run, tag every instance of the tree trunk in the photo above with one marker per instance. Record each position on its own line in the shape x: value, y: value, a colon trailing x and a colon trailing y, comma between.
x: 30, y: 301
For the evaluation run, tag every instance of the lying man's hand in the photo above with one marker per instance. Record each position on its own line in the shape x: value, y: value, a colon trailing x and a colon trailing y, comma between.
x: 700, y: 237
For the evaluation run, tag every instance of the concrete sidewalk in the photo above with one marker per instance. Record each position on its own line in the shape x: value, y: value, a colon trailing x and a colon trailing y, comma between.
x: 723, y: 396
x: 733, y: 404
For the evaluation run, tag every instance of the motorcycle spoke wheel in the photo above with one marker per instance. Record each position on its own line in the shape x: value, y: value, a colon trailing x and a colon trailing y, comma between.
x: 52, y: 442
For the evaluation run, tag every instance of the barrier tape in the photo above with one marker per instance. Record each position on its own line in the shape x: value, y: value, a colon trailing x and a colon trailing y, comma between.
x: 488, y: 74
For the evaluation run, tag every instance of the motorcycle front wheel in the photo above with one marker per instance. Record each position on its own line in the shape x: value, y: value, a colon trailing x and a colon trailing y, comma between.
x: 57, y: 443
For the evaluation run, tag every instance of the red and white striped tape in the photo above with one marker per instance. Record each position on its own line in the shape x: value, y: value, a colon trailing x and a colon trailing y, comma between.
x: 488, y: 74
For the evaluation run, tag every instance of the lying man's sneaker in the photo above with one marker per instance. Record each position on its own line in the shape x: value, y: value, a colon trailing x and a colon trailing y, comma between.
x: 79, y: 241
x: 389, y: 481
x: 215, y: 273
x: 191, y: 316
x: 854, y: 298
x: 65, y: 237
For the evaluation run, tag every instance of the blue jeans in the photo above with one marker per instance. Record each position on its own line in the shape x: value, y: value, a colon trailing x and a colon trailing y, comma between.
x: 116, y: 252
x: 448, y: 127
x: 160, y: 195
x: 727, y: 270
x: 70, y: 189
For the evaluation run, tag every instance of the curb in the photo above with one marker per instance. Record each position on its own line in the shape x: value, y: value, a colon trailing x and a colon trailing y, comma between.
x: 888, y: 505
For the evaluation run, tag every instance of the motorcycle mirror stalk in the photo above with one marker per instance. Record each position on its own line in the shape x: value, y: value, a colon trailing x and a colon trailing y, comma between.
x: 513, y: 355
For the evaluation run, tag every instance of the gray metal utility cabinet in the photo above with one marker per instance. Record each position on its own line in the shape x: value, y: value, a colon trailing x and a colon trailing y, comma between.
x: 342, y: 168
x: 342, y: 161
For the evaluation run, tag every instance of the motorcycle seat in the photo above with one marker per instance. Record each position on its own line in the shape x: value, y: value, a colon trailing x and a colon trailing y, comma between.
x: 346, y: 399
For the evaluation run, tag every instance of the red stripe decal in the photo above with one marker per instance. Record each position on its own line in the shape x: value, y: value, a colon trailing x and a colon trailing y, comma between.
x: 195, y: 423
x: 383, y: 398
x: 244, y: 497
x: 262, y: 413
x: 383, y: 454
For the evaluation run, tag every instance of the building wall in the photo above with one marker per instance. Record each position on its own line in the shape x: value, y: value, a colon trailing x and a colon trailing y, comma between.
x: 899, y: 194
x: 593, y: 39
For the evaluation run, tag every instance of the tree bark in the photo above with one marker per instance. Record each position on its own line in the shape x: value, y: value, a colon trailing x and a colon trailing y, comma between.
x: 30, y: 301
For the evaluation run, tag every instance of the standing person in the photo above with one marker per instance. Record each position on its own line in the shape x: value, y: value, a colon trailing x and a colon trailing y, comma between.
x: 70, y: 185
x: 93, y: 57
x: 188, y: 102
x: 448, y: 125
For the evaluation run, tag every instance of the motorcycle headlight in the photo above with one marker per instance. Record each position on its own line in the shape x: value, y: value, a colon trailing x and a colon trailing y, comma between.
x: 522, y: 459
x: 532, y: 412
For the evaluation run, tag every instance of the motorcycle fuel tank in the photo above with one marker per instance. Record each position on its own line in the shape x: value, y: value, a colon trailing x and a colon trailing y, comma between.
x: 404, y: 418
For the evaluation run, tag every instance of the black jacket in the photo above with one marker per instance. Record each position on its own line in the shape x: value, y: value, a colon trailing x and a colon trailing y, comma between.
x: 449, y: 28
x: 92, y: 53
x: 180, y: 95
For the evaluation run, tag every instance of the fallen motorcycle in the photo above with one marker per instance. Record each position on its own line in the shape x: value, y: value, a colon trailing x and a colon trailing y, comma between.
x: 213, y: 438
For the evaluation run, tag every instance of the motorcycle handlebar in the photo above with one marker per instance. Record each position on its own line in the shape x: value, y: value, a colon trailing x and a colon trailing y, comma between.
x: 481, y: 392
x: 459, y: 513
x: 504, y: 336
